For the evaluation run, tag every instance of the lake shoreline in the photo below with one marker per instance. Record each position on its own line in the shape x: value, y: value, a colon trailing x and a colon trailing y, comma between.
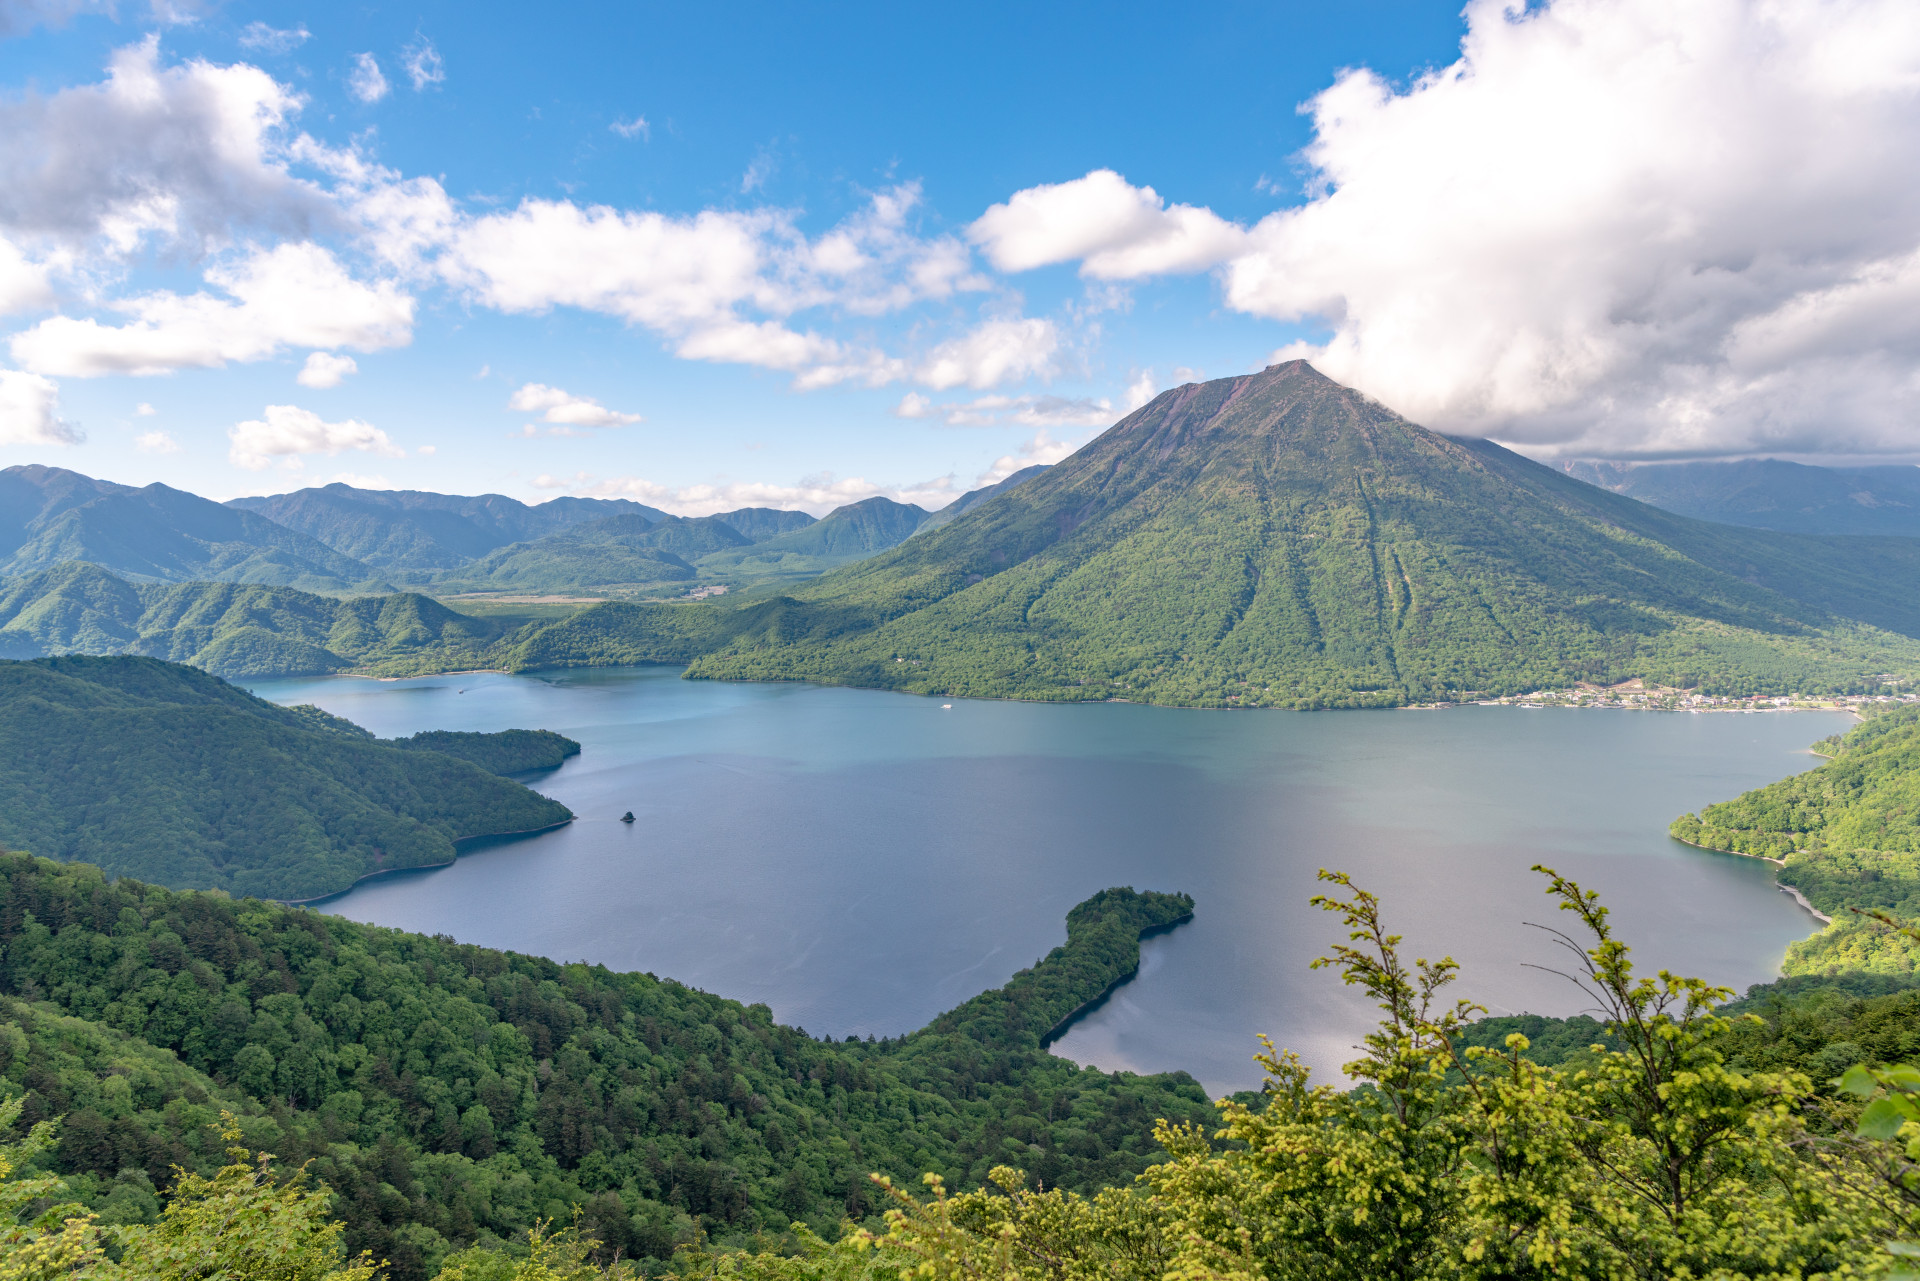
x: 461, y: 845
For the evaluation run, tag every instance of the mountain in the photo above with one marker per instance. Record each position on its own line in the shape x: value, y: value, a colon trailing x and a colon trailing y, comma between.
x: 612, y: 552
x: 974, y: 497
x: 156, y: 532
x: 166, y: 773
x: 845, y: 534
x: 762, y: 523
x: 1278, y: 539
x: 30, y: 496
x: 413, y: 529
x: 236, y: 630
x: 1767, y: 493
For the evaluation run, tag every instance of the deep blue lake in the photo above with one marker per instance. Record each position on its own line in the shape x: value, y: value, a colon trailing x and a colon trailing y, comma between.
x: 861, y: 861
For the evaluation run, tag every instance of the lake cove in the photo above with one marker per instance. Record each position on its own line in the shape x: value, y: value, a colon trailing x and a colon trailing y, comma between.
x: 861, y: 861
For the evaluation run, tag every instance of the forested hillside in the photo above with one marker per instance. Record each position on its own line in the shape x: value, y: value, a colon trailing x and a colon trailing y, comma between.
x: 238, y: 631
x: 163, y: 772
x: 50, y: 516
x: 450, y: 1093
x: 405, y: 529
x: 1279, y: 540
x: 1848, y: 834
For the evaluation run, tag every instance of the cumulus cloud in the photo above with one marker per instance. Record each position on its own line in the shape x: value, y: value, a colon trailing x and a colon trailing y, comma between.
x: 423, y: 64
x: 24, y: 285
x: 30, y: 411
x: 1612, y: 227
x: 1625, y: 228
x: 293, y: 295
x: 366, y: 81
x: 1117, y: 231
x: 324, y: 369
x: 262, y: 38
x: 566, y: 409
x: 156, y: 442
x: 189, y: 154
x: 995, y: 352
x: 719, y: 285
x: 287, y: 431
x: 144, y: 410
x: 816, y: 494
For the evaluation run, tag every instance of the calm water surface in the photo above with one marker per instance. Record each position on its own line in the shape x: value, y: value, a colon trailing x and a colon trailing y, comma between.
x: 861, y: 861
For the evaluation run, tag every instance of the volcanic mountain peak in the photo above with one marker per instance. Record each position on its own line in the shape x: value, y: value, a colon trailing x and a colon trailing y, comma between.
x: 1277, y: 537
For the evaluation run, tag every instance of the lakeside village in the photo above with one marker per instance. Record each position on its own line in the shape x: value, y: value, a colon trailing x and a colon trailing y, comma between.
x: 1636, y: 695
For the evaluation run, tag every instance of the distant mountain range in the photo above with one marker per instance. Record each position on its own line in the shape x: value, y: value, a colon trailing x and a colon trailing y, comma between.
x: 1770, y: 494
x: 340, y: 540
x: 409, y: 529
x: 1269, y: 540
x: 1277, y: 539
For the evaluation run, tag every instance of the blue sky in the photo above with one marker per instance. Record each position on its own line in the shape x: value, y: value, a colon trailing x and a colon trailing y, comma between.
x: 800, y: 254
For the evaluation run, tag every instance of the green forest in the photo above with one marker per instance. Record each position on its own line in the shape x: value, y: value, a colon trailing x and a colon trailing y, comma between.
x: 470, y: 1115
x: 165, y: 773
x: 449, y: 1094
x: 1848, y: 837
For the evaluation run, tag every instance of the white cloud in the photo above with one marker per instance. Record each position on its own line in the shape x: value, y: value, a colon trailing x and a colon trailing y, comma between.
x: 816, y: 494
x: 324, y: 369
x: 294, y: 295
x: 719, y: 285
x: 1624, y: 227
x: 1028, y: 411
x: 358, y: 481
x: 265, y: 39
x: 366, y: 81
x: 1042, y: 449
x: 1116, y: 230
x: 995, y: 352
x: 144, y: 410
x: 192, y: 154
x: 156, y: 442
x: 287, y: 431
x: 423, y: 64
x: 23, y: 283
x: 30, y: 411
x: 634, y: 128
x: 557, y: 406
x: 427, y: 451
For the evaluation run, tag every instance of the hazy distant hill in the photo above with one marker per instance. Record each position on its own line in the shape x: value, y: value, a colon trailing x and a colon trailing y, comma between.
x: 762, y: 523
x: 619, y: 551
x: 1280, y: 539
x: 845, y: 534
x: 413, y: 529
x: 165, y: 773
x: 30, y: 496
x: 974, y: 497
x: 236, y: 630
x: 1767, y: 493
x: 156, y: 532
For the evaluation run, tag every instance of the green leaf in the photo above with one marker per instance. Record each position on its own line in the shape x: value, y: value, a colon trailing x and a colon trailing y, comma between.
x: 1858, y: 1080
x: 1883, y: 1119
